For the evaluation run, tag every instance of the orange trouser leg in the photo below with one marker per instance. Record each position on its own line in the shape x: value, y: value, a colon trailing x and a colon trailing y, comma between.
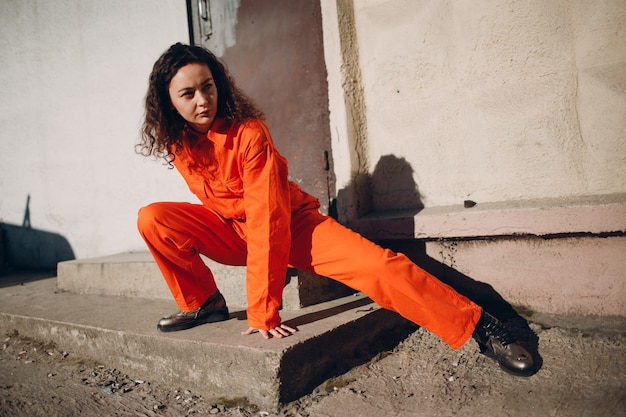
x: 176, y: 234
x: 323, y: 246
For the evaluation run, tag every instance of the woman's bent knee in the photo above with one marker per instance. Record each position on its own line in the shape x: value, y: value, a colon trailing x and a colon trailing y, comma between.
x: 147, y: 215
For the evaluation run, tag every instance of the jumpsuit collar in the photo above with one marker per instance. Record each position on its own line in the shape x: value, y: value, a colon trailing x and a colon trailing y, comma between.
x: 217, y: 134
x: 219, y: 131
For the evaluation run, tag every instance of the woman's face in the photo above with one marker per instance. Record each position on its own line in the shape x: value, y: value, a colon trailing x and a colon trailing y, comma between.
x: 194, y: 95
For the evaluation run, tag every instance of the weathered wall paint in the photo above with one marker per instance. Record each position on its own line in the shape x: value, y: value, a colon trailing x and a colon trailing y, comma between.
x: 489, y: 101
x: 216, y: 25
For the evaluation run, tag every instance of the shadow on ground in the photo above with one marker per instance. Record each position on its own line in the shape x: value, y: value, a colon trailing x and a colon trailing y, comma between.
x: 479, y: 292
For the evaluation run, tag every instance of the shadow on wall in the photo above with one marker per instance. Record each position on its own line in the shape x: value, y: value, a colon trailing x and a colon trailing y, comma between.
x: 390, y: 188
x: 25, y: 248
x: 392, y: 192
x: 32, y: 249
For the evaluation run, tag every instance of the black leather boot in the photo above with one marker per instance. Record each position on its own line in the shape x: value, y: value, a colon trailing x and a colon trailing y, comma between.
x: 496, y: 341
x: 213, y: 310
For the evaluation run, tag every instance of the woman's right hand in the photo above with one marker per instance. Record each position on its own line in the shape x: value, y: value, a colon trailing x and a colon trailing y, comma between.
x: 278, y: 332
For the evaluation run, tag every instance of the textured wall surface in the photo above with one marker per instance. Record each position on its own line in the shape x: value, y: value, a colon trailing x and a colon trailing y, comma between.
x: 436, y: 101
x: 489, y: 101
x: 73, y: 75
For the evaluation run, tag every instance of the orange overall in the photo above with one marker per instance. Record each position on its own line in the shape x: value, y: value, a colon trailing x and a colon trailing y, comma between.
x: 252, y: 215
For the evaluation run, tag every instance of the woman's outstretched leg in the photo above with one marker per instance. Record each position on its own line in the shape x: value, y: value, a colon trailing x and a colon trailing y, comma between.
x: 390, y: 279
x: 393, y: 281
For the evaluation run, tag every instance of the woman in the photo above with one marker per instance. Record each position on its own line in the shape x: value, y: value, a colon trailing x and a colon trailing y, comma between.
x: 251, y: 214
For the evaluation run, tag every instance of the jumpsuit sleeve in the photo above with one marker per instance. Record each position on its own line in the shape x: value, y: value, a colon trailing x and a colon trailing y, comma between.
x: 268, y: 217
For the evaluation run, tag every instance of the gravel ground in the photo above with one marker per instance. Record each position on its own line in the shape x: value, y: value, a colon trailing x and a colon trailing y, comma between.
x: 583, y: 374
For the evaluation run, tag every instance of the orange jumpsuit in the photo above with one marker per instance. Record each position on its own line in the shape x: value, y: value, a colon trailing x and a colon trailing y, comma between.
x: 252, y: 215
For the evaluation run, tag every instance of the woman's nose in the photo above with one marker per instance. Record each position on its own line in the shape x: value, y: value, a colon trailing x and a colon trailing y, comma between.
x: 201, y: 98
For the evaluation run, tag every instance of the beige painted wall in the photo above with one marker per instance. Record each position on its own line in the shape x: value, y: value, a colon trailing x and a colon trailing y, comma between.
x: 519, y: 106
x: 489, y: 100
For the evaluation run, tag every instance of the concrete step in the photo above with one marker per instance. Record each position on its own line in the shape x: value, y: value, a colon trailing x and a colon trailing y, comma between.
x: 137, y: 275
x: 214, y: 360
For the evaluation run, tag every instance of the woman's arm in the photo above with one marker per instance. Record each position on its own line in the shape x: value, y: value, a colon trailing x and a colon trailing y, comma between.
x: 268, y: 219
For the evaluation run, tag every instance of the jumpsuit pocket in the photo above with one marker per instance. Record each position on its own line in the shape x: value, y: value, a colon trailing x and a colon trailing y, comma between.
x: 234, y: 186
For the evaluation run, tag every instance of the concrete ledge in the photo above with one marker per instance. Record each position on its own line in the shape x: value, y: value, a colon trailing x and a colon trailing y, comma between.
x: 137, y: 275
x: 214, y: 360
x: 567, y: 276
x: 595, y: 215
x: 576, y: 275
x: 128, y: 275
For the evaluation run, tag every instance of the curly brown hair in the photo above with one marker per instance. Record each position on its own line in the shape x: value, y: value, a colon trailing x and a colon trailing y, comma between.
x: 162, y: 125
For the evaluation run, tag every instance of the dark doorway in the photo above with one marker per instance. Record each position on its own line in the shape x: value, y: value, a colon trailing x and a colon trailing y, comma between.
x: 277, y: 58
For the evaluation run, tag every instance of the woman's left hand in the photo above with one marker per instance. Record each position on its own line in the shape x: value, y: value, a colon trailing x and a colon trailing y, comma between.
x: 278, y: 332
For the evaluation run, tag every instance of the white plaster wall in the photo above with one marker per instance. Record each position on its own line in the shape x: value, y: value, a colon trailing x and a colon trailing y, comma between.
x: 490, y: 100
x: 73, y: 74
